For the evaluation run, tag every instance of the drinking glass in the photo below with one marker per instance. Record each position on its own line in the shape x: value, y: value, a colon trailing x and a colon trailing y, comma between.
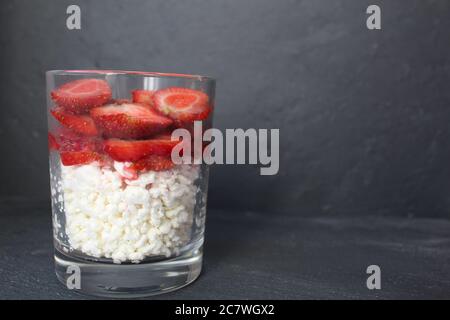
x: 127, y: 220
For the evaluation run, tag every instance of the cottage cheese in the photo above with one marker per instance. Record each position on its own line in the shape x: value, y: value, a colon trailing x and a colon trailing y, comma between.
x: 112, y: 216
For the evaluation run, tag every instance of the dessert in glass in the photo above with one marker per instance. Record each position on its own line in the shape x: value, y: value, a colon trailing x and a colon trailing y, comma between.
x: 125, y: 216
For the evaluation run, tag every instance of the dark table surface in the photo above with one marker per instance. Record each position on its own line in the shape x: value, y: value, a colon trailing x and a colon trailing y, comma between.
x: 250, y: 255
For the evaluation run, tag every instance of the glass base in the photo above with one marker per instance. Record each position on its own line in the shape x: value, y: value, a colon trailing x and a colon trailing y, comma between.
x: 128, y: 280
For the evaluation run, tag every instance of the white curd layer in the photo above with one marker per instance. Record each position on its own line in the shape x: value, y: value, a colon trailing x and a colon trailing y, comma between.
x: 109, y: 216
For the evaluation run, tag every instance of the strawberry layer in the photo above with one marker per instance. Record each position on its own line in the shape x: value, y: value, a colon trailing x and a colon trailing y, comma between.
x: 93, y: 127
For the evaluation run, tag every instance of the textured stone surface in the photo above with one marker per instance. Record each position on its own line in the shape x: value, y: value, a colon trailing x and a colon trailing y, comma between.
x: 255, y: 256
x: 363, y: 114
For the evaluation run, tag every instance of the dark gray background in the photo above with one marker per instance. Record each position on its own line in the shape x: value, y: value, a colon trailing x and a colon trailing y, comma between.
x: 364, y: 115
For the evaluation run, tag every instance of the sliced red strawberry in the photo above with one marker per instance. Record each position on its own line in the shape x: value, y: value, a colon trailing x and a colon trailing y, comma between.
x: 182, y: 104
x: 143, y: 96
x: 129, y: 121
x: 79, y: 123
x: 133, y: 150
x: 81, y: 95
x: 71, y: 158
x: 70, y: 141
x: 52, y: 143
x: 153, y: 163
x: 75, y: 149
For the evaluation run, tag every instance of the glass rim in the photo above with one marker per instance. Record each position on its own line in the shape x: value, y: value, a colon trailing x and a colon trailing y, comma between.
x: 131, y: 72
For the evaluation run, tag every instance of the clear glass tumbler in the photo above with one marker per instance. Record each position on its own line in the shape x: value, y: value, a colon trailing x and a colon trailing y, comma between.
x: 127, y: 221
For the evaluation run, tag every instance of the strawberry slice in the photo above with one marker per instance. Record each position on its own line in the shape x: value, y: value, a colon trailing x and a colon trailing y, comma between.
x: 143, y: 96
x: 133, y: 150
x: 52, y: 143
x: 129, y: 120
x: 182, y: 104
x: 72, y: 142
x: 75, y: 149
x: 71, y: 158
x: 81, y: 95
x: 79, y: 123
x: 153, y: 163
